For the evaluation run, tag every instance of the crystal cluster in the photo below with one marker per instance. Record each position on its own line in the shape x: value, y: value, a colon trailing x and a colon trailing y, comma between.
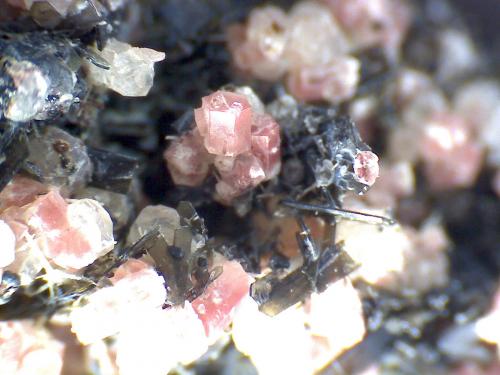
x: 241, y: 142
x: 313, y: 42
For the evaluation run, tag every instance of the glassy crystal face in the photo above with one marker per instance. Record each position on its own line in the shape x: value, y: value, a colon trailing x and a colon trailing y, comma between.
x: 131, y: 69
x: 224, y: 120
x: 235, y: 136
x: 187, y: 160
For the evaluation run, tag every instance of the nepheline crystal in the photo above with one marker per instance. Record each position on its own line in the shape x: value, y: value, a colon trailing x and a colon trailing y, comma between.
x: 131, y: 70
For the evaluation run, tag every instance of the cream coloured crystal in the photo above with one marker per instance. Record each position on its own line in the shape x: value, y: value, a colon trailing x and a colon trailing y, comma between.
x: 131, y: 70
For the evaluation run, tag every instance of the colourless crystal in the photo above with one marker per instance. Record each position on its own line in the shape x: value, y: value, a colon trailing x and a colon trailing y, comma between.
x: 132, y: 68
x: 136, y: 288
x: 31, y: 91
x: 224, y: 121
x: 315, y: 38
x: 165, y: 218
x: 60, y: 158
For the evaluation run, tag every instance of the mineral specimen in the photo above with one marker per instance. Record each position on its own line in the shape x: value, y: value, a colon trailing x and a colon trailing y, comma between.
x: 65, y: 162
x: 241, y: 142
x: 131, y: 69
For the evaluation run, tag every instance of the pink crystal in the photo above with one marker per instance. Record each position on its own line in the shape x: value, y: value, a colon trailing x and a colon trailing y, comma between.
x: 246, y: 173
x: 451, y: 157
x: 366, y: 167
x: 20, y: 191
x: 72, y: 236
x: 258, y: 47
x: 371, y: 23
x: 216, y: 306
x: 187, y: 159
x: 266, y: 144
x: 224, y: 120
x: 334, y: 82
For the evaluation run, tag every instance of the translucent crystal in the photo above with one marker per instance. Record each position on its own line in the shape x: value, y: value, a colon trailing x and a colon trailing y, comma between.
x: 71, y: 235
x: 136, y: 287
x: 224, y: 121
x: 31, y: 91
x: 132, y: 68
x: 20, y: 191
x: 187, y: 159
x: 314, y: 37
x: 60, y: 158
x: 165, y: 218
x: 371, y: 23
x: 451, y: 157
x: 246, y: 173
x: 259, y: 46
x: 366, y: 167
x: 215, y: 307
x: 266, y: 144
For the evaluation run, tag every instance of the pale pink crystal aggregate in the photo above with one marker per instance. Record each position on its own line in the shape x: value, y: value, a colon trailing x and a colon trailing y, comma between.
x: 241, y: 142
x: 307, y: 44
x: 224, y: 121
x: 451, y: 157
x: 70, y: 235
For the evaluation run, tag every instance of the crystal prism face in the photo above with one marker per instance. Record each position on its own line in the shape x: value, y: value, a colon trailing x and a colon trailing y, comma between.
x: 224, y: 120
x: 132, y: 68
x: 366, y: 168
x: 266, y: 144
x: 187, y: 160
x: 244, y: 173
